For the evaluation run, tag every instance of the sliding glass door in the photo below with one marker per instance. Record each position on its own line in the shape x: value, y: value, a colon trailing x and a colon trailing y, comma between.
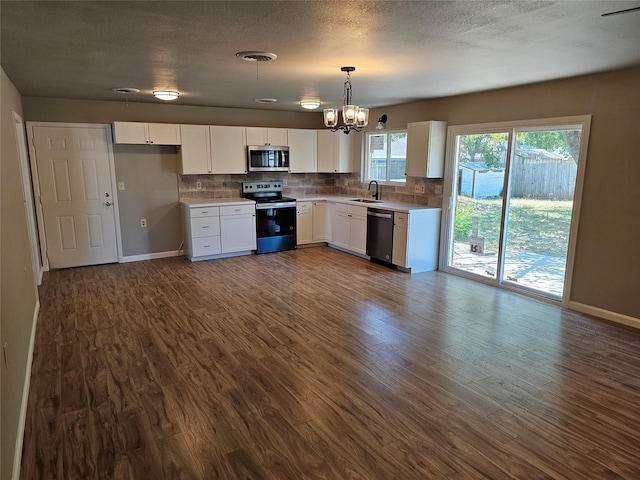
x: 511, y: 206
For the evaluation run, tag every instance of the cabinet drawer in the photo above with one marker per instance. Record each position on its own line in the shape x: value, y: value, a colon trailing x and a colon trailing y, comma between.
x: 204, y: 212
x: 205, y: 226
x: 206, y: 246
x: 400, y: 218
x: 351, y: 209
x: 237, y: 209
x: 304, y: 206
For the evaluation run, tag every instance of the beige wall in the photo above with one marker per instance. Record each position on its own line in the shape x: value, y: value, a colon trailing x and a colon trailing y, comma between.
x: 18, y: 296
x: 607, y: 262
x: 607, y: 268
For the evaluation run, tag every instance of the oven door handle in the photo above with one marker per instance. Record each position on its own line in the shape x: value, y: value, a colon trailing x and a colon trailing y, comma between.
x: 266, y: 206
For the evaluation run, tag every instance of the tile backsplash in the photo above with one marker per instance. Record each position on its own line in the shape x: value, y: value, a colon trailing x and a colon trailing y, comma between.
x: 300, y: 184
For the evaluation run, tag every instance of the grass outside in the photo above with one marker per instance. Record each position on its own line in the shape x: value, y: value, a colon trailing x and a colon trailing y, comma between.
x: 537, y: 226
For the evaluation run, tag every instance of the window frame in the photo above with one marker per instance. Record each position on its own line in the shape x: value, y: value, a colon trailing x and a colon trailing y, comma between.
x: 365, y: 177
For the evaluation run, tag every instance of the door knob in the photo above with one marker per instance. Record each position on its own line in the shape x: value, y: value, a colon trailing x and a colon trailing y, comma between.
x: 107, y: 204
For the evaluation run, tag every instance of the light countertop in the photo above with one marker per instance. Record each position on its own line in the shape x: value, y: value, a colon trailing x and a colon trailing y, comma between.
x: 214, y: 202
x: 383, y: 204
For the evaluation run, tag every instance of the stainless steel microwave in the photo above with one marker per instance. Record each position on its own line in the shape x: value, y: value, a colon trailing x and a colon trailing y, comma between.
x: 267, y: 158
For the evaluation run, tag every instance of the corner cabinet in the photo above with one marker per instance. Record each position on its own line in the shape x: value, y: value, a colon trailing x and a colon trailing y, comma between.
x: 335, y: 152
x: 138, y: 133
x: 425, y: 149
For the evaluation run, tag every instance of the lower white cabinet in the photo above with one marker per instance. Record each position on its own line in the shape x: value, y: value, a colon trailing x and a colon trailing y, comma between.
x: 202, y: 232
x: 319, y: 220
x: 238, y: 228
x: 215, y: 231
x: 416, y: 238
x: 350, y: 228
x: 304, y: 223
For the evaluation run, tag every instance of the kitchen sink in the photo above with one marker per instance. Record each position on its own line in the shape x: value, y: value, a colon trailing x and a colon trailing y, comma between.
x: 364, y: 200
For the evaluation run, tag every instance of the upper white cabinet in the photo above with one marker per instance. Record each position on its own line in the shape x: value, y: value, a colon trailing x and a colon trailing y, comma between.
x: 212, y: 149
x: 195, y: 151
x: 146, y: 133
x: 303, y: 150
x: 267, y: 136
x: 425, y: 149
x: 228, y: 149
x: 335, y: 152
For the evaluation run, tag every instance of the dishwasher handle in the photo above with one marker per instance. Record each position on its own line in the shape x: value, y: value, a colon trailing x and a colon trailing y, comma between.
x: 380, y: 215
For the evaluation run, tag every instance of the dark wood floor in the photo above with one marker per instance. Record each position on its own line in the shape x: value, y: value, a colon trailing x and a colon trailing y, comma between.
x: 316, y: 364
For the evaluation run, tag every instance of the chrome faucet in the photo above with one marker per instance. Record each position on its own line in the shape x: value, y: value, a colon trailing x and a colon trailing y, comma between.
x: 375, y: 194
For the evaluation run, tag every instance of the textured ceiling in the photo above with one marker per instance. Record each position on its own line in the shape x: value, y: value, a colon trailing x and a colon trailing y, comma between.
x: 402, y: 50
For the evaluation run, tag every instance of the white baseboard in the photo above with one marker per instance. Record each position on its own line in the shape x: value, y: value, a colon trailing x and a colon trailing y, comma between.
x: 17, y: 456
x: 606, y: 314
x: 151, y: 256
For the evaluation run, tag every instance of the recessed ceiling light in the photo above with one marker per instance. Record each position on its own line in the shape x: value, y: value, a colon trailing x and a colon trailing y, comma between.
x: 310, y: 104
x: 265, y: 100
x: 125, y: 90
x: 257, y: 56
x: 166, y: 94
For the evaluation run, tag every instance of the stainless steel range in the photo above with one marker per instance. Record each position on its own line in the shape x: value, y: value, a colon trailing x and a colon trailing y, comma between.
x: 275, y: 216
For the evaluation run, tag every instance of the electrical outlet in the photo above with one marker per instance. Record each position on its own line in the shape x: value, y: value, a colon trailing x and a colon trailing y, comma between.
x: 284, y: 183
x: 120, y: 185
x: 438, y: 189
x: 418, y: 189
x: 421, y: 188
x: 143, y: 222
x: 198, y: 185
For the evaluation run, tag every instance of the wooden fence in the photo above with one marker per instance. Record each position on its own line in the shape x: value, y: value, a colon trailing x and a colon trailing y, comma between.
x: 543, y: 180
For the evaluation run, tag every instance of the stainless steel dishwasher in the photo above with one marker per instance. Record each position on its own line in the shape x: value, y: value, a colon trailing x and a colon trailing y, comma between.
x: 379, y: 234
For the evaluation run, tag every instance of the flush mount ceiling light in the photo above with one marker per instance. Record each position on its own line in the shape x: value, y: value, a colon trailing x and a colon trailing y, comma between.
x: 353, y: 117
x: 166, y: 94
x: 310, y: 104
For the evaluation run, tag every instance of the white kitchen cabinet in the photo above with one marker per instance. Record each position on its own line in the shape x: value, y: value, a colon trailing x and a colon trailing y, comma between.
x: 304, y: 223
x: 319, y: 221
x: 238, y: 228
x: 195, y: 151
x: 228, y: 149
x: 350, y: 228
x: 303, y: 146
x: 425, y: 149
x: 331, y: 210
x: 202, y: 232
x: 140, y: 133
x: 416, y: 237
x: 267, y: 136
x: 335, y: 152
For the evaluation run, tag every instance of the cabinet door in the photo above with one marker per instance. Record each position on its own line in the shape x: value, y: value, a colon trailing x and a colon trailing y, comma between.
x: 304, y: 223
x: 399, y: 252
x: 303, y: 145
x: 358, y: 234
x: 425, y: 149
x: 277, y: 137
x: 335, y: 152
x: 319, y: 221
x: 238, y: 233
x: 331, y: 211
x: 256, y: 136
x: 228, y: 149
x: 131, y: 133
x: 341, y: 229
x: 164, y: 134
x: 195, y: 150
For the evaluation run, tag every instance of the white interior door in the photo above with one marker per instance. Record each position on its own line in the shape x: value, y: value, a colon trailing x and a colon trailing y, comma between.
x: 76, y: 195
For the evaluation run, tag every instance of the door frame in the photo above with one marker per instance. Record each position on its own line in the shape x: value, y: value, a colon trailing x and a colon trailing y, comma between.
x: 36, y: 183
x: 450, y: 182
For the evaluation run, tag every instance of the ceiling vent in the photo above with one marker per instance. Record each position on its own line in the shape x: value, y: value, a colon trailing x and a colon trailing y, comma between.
x: 265, y: 100
x: 257, y: 56
x: 125, y: 90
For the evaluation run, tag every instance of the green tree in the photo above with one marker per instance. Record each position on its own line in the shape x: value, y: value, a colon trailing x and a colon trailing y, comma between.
x: 566, y: 142
x: 486, y: 147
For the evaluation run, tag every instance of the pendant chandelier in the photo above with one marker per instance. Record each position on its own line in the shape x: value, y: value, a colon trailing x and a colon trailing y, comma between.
x: 353, y: 117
